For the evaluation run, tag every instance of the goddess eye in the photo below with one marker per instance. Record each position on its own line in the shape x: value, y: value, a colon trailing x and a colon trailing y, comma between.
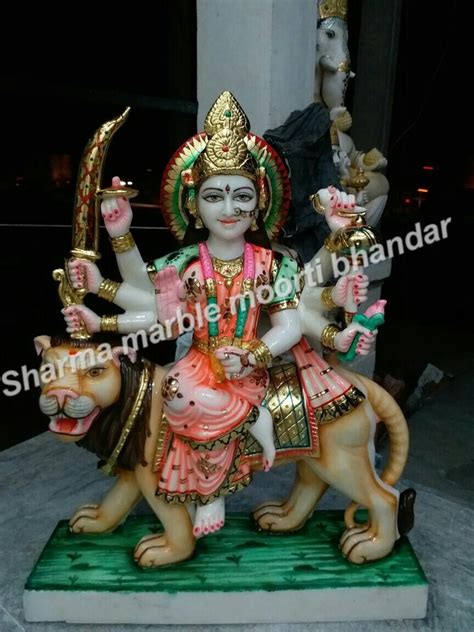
x: 95, y: 371
x: 212, y: 198
x: 243, y: 197
x: 331, y: 34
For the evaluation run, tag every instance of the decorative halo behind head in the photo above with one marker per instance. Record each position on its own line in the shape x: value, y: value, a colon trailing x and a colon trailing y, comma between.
x: 225, y: 148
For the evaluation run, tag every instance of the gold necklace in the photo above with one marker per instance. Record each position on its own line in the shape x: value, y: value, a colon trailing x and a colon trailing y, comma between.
x: 228, y: 268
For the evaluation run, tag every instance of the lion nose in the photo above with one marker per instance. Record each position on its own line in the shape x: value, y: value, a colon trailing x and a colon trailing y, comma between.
x: 61, y: 394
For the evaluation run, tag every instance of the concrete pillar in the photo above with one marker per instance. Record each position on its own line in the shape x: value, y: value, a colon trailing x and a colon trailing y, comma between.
x: 372, y: 111
x: 261, y: 50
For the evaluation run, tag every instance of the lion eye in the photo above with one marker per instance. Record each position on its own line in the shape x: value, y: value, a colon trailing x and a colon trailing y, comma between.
x: 95, y: 372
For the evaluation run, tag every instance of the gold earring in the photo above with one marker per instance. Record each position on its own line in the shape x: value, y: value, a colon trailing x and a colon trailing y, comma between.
x: 262, y: 190
x: 254, y: 225
x: 191, y: 207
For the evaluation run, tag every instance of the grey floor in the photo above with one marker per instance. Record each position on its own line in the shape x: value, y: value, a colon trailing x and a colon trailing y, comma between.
x: 42, y: 482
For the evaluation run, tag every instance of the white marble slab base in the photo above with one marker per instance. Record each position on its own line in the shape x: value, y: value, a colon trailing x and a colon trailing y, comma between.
x: 296, y: 606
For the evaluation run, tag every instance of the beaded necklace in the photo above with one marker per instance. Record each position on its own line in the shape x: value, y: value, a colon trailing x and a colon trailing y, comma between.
x: 210, y: 287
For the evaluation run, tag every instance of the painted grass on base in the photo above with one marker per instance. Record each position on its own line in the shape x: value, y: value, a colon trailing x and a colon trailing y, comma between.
x: 238, y: 558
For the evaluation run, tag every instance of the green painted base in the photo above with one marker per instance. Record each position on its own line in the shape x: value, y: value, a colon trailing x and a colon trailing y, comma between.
x: 236, y: 563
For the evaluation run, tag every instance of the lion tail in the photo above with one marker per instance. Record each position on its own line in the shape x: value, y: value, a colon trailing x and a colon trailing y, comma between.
x: 388, y: 411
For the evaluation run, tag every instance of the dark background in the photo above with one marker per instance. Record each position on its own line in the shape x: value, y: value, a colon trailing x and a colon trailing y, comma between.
x: 58, y: 83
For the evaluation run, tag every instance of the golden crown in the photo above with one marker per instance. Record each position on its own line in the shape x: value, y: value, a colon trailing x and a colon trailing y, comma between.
x: 226, y: 151
x: 333, y: 9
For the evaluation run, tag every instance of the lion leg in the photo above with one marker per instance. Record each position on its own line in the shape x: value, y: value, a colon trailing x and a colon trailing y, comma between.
x: 352, y: 474
x: 177, y: 543
x: 115, y: 506
x: 292, y: 514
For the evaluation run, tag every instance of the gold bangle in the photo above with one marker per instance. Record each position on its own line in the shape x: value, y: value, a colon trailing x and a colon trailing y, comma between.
x: 109, y: 324
x: 124, y: 243
x: 327, y: 299
x: 261, y: 353
x: 108, y: 290
x: 328, y: 335
x: 317, y: 204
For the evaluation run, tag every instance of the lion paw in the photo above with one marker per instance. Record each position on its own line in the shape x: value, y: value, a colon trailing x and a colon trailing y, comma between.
x: 89, y: 519
x: 365, y: 545
x: 276, y: 518
x: 153, y: 551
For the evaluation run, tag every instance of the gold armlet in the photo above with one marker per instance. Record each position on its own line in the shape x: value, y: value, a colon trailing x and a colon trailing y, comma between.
x: 328, y: 336
x: 124, y: 243
x: 327, y: 299
x: 109, y: 324
x: 261, y: 353
x: 108, y: 290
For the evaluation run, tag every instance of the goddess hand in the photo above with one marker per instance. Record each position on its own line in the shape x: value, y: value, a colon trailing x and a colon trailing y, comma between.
x: 170, y: 293
x: 334, y: 203
x: 237, y: 362
x: 84, y: 275
x: 350, y: 290
x: 117, y: 212
x: 76, y: 315
x: 344, y: 338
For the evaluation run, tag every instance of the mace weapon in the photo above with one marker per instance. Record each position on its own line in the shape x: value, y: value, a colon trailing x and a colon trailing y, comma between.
x: 85, y: 223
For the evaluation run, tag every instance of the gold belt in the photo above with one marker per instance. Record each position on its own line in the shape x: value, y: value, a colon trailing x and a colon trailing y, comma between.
x: 226, y: 341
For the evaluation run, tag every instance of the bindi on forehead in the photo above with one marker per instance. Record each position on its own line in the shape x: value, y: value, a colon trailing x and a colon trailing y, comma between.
x: 227, y: 188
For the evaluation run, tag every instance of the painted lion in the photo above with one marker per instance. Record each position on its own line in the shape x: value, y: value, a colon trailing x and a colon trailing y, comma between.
x: 93, y: 402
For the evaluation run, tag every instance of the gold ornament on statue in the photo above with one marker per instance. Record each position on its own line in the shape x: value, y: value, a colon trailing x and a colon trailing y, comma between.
x: 333, y: 9
x: 328, y: 336
x: 359, y: 181
x: 226, y: 151
x: 225, y: 147
x: 122, y: 244
x: 198, y: 222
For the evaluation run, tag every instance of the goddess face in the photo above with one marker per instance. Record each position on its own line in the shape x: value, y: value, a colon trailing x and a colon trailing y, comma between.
x: 227, y: 205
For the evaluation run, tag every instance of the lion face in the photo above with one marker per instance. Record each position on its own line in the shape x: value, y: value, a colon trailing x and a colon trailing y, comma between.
x: 76, y: 386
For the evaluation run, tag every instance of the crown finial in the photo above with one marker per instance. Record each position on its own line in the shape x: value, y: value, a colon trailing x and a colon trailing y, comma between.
x: 333, y: 9
x: 226, y: 113
x: 226, y: 151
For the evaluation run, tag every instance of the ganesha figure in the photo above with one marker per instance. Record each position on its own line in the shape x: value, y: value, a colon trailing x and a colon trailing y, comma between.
x: 333, y: 62
x: 359, y: 171
x: 220, y: 411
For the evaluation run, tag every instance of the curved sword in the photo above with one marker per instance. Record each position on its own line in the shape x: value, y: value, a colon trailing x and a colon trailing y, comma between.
x: 85, y: 224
